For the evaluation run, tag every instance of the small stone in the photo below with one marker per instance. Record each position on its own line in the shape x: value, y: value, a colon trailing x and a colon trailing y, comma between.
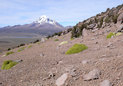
x: 105, y: 83
x: 41, y: 54
x: 51, y: 74
x: 109, y: 44
x: 72, y: 72
x: 61, y: 80
x: 85, y: 61
x: 92, y: 75
x: 18, y: 60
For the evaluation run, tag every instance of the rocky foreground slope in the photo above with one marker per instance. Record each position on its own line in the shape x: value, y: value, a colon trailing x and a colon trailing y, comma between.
x: 46, y: 64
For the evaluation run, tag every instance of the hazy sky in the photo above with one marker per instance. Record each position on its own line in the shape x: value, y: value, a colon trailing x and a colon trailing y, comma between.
x: 66, y: 12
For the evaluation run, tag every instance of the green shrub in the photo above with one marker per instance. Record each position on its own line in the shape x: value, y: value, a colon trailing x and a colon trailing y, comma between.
x: 117, y: 34
x: 114, y: 18
x: 110, y: 35
x: 36, y: 41
x: 9, y: 49
x: 72, y: 39
x: 29, y: 46
x: 21, y: 49
x: 101, y: 23
x: 8, y: 64
x: 76, y: 48
x: 96, y: 20
x: 64, y: 42
x: 8, y: 53
x: 107, y: 20
x: 56, y: 40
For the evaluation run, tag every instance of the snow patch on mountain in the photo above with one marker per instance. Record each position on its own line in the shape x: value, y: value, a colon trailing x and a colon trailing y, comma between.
x: 44, y: 19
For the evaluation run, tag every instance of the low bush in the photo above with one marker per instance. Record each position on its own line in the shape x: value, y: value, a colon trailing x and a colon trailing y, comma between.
x: 8, y: 64
x: 21, y: 49
x: 56, y: 40
x: 36, y: 41
x: 117, y: 34
x: 64, y: 42
x: 8, y: 53
x: 76, y: 48
x: 114, y: 18
x: 110, y: 35
x: 29, y: 46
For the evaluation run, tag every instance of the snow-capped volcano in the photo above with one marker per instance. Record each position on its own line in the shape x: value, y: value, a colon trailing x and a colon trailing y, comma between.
x: 43, y: 26
x: 44, y: 19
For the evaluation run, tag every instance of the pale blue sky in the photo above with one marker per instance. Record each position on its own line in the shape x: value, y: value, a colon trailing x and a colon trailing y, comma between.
x: 66, y: 12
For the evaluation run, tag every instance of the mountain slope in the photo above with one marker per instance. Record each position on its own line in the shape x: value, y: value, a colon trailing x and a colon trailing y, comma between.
x: 46, y: 64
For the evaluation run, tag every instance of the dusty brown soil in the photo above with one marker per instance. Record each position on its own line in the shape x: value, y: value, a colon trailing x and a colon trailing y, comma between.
x: 35, y: 69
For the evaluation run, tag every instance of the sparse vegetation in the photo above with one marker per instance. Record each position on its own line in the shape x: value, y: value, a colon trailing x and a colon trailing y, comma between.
x: 101, y: 23
x: 117, y: 34
x: 77, y: 31
x: 76, y: 48
x: 114, y: 18
x: 21, y: 49
x: 36, y: 41
x: 8, y: 64
x: 8, y: 53
x: 64, y: 42
x: 56, y: 40
x: 72, y: 39
x: 107, y: 20
x: 29, y: 46
x: 110, y: 35
x: 9, y: 49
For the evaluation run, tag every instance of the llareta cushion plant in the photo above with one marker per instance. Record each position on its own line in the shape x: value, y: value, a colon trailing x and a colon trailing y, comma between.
x: 76, y: 48
x: 111, y: 34
x: 8, y: 64
x: 64, y: 42
x: 8, y: 53
x: 21, y: 49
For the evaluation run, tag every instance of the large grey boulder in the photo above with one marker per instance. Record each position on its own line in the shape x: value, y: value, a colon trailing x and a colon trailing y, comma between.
x: 91, y: 26
x: 85, y: 32
x: 92, y: 75
x: 120, y: 18
x: 61, y: 80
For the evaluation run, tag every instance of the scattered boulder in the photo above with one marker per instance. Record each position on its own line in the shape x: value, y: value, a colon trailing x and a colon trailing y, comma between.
x: 41, y: 54
x: 120, y: 18
x: 18, y: 60
x: 84, y: 32
x: 120, y: 30
x: 91, y: 26
x: 85, y: 62
x: 42, y: 40
x: 61, y: 80
x: 92, y: 75
x: 105, y: 83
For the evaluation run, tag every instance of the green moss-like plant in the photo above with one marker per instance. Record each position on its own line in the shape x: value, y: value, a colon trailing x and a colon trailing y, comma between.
x: 8, y: 64
x: 76, y: 48
x: 8, y: 53
x: 21, y: 49
x: 56, y: 40
x: 72, y: 39
x: 117, y: 34
x: 64, y: 42
x: 29, y: 46
x: 110, y: 35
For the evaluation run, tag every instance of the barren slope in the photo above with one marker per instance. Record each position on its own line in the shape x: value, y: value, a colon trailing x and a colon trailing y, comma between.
x: 44, y: 63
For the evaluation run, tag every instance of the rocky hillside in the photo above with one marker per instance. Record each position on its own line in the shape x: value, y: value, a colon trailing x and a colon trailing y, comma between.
x: 100, y: 21
x: 92, y: 58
